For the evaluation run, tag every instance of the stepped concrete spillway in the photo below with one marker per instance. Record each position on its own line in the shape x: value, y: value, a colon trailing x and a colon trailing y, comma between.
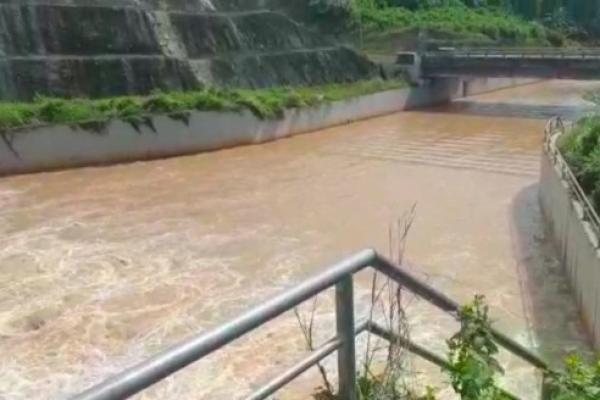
x: 115, y: 47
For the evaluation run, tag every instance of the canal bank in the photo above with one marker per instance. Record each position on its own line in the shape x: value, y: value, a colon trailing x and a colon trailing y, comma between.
x: 574, y: 230
x: 102, y: 267
x: 65, y: 146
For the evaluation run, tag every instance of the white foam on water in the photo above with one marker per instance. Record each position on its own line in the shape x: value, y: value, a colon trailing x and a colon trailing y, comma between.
x: 102, y: 267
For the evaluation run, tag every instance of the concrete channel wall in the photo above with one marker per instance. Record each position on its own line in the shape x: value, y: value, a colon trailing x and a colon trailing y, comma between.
x: 54, y: 147
x: 574, y: 237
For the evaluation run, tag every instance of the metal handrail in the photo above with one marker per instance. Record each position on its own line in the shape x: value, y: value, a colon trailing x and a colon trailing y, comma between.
x: 461, y: 44
x: 555, y: 128
x: 485, y: 52
x: 311, y: 360
x: 340, y: 276
x: 545, y: 50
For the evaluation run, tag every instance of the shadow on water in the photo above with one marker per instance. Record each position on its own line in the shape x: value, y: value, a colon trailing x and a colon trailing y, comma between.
x: 548, y: 300
x: 510, y: 110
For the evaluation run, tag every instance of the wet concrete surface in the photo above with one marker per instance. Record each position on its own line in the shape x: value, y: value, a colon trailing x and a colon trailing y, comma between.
x: 101, y: 267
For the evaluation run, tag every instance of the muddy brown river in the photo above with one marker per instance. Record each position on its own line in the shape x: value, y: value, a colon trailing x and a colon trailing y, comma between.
x: 102, y: 267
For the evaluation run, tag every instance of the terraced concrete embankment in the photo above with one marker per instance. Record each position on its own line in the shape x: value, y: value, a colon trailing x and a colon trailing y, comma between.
x: 115, y: 47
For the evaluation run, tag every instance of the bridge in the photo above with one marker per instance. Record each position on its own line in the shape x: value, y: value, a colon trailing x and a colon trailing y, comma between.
x: 550, y: 63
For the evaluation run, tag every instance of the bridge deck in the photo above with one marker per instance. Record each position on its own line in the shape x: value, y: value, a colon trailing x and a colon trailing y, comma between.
x: 531, y: 62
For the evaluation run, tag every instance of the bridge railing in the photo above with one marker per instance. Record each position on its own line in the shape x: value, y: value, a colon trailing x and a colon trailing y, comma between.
x: 515, y: 52
x: 340, y: 276
x: 555, y: 129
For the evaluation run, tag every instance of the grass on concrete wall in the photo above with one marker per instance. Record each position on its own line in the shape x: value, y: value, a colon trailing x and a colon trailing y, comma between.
x: 581, y: 148
x: 264, y: 103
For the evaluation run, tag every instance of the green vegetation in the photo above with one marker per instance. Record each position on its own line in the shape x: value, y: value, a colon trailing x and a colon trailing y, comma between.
x: 581, y: 148
x: 265, y: 103
x: 472, y: 356
x: 510, y: 22
x: 467, y: 23
x: 580, y: 381
x: 474, y: 368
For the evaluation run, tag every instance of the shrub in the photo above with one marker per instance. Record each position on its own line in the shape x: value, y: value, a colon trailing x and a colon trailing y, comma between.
x: 64, y: 111
x: 580, y: 381
x: 265, y: 103
x: 474, y: 367
x: 165, y: 103
x: 451, y: 17
x: 211, y: 101
x: 555, y: 38
x: 472, y: 355
x: 14, y: 115
x: 125, y: 106
x: 581, y: 148
x: 253, y: 102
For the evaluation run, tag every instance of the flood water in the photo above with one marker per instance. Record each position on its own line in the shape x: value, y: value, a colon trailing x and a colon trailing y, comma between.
x: 101, y: 267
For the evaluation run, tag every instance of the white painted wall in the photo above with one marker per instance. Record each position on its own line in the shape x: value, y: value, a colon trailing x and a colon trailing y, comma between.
x: 575, y: 241
x: 53, y: 147
x: 473, y: 87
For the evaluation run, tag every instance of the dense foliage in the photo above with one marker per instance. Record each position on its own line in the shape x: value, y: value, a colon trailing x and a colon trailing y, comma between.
x: 539, y: 22
x: 265, y: 103
x: 585, y: 13
x: 472, y: 356
x: 581, y: 148
x: 580, y: 381
x: 484, y: 23
x: 474, y: 368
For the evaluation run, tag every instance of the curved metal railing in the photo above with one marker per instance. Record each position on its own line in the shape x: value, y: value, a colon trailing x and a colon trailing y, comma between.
x: 340, y: 276
x: 516, y: 52
x: 555, y: 129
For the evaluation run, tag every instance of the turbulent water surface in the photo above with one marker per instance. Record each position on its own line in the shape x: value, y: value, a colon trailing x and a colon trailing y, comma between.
x: 101, y: 267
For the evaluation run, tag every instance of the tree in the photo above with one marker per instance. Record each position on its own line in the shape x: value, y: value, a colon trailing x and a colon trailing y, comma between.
x: 527, y: 8
x: 549, y: 7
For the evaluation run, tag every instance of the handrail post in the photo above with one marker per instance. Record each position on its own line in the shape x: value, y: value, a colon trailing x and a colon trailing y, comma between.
x: 344, y: 309
x: 546, y: 393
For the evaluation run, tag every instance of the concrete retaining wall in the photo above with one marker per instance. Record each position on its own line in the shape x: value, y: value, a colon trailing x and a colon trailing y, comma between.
x: 476, y: 86
x: 574, y: 238
x: 53, y: 147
